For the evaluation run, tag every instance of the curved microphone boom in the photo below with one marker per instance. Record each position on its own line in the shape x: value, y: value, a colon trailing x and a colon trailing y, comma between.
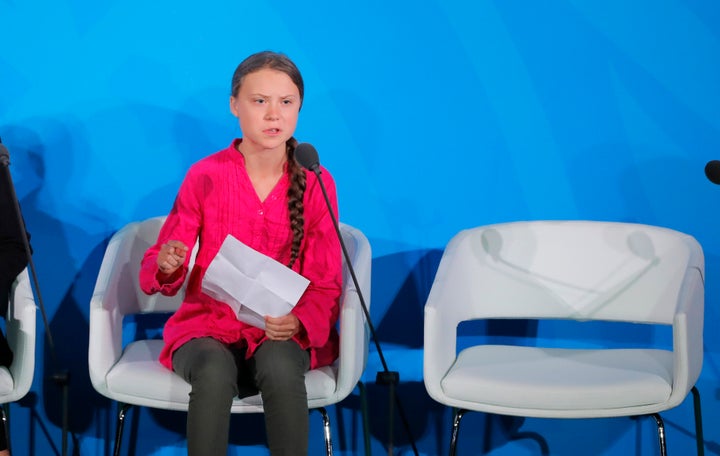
x: 308, y: 158
x: 712, y: 171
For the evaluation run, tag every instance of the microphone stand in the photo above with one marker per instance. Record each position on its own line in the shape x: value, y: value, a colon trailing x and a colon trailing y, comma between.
x: 61, y: 377
x: 386, y: 376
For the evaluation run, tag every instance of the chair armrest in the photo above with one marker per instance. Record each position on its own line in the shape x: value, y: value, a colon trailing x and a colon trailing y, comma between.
x: 353, y: 344
x: 441, y: 318
x: 439, y: 349
x: 113, y: 286
x: 688, y: 335
x: 105, y: 344
x: 21, y: 335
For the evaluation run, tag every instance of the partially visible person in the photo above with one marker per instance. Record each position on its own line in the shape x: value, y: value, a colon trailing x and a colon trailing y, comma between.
x: 13, y: 260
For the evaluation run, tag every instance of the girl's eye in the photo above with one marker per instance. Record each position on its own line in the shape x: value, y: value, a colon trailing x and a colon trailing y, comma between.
x: 287, y: 102
x: 259, y: 100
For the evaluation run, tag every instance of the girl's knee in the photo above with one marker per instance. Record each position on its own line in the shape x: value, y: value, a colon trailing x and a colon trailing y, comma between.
x: 281, y: 364
x: 208, y: 366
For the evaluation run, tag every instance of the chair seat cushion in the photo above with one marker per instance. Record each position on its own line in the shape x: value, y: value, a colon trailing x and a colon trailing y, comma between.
x: 560, y: 379
x: 161, y: 385
x: 6, y: 382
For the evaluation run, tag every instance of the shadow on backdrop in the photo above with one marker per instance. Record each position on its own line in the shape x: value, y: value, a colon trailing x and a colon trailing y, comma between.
x: 51, y: 257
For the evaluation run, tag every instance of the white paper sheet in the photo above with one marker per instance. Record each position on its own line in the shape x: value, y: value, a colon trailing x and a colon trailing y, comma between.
x: 253, y: 284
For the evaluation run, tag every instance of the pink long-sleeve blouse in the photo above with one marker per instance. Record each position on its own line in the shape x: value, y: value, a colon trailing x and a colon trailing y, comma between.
x: 217, y: 198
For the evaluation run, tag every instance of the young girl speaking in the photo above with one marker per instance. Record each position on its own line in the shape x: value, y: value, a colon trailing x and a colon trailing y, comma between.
x: 256, y: 191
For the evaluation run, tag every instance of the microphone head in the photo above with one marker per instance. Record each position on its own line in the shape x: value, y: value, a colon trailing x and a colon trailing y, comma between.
x: 712, y: 171
x: 4, y: 155
x: 307, y: 156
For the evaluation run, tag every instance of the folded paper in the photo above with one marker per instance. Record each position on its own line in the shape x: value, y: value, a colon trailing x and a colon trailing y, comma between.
x: 251, y: 283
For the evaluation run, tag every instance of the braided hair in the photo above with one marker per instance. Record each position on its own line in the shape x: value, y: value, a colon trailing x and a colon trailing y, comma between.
x: 295, y: 200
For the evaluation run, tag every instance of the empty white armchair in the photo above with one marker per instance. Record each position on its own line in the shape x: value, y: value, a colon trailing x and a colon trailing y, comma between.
x: 132, y: 375
x: 567, y: 271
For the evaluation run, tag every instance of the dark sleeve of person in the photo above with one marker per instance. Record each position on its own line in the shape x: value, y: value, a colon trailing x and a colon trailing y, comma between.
x: 11, y: 239
x: 13, y: 258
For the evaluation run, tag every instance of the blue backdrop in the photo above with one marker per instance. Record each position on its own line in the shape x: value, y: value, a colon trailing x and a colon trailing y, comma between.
x: 433, y: 116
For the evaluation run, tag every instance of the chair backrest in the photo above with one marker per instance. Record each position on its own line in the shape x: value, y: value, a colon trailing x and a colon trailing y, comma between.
x: 126, y: 249
x: 582, y: 270
x: 21, y: 335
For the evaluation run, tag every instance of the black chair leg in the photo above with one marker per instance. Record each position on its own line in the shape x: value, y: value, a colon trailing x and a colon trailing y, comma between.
x: 699, y: 438
x: 326, y: 431
x: 120, y: 425
x: 661, y: 433
x: 459, y: 413
x: 366, y: 423
x: 6, y: 427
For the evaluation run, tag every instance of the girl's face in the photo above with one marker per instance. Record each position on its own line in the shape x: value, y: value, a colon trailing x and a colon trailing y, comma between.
x: 267, y: 106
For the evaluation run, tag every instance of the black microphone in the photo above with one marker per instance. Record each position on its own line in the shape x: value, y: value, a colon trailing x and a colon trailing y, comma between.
x: 712, y: 171
x: 4, y: 155
x: 307, y: 157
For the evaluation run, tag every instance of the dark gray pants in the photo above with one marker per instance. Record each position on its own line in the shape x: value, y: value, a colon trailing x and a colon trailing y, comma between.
x: 218, y: 373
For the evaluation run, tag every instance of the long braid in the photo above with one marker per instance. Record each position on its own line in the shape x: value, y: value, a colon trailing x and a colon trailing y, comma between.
x: 295, y: 200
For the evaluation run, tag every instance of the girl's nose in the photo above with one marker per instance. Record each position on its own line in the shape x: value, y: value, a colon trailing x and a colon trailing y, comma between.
x: 271, y: 112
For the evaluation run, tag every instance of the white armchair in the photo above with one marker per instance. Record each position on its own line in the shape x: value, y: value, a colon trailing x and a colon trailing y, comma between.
x: 115, y: 369
x: 574, y: 271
